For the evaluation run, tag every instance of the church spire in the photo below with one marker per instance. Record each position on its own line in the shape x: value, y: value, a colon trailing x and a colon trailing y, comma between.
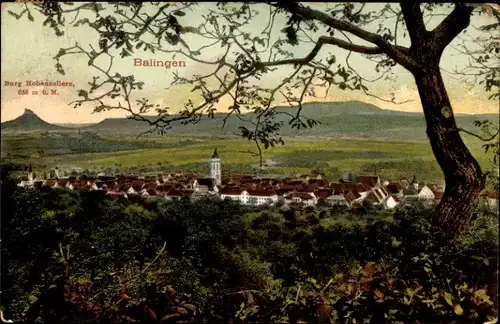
x: 414, y: 179
x: 215, y: 169
x: 215, y: 155
x: 30, y: 173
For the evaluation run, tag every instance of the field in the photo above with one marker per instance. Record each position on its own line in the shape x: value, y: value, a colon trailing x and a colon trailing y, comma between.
x: 190, y: 153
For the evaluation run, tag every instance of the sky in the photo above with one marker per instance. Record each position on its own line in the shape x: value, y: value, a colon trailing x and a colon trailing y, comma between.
x: 28, y: 49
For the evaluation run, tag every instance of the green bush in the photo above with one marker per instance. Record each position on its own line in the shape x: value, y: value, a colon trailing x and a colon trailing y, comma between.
x: 81, y: 257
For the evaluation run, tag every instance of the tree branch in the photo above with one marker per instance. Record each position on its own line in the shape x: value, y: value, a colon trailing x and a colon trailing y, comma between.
x: 322, y: 40
x: 319, y: 44
x: 484, y: 139
x: 413, y: 20
x: 398, y: 53
x: 451, y: 26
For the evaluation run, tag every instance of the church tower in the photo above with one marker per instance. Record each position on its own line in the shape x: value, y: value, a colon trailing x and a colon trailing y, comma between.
x: 30, y: 173
x: 414, y: 183
x: 215, y: 171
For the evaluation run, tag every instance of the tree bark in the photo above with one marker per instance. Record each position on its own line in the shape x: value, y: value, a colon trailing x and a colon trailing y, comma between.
x: 463, y: 177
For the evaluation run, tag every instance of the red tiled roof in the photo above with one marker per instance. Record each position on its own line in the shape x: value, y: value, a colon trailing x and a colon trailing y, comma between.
x: 50, y: 183
x: 318, y: 182
x: 180, y: 193
x: 205, y: 182
x: 164, y: 188
x: 282, y: 191
x: 124, y: 187
x: 324, y: 193
x: 367, y: 180
x: 150, y: 186
x: 372, y: 197
x: 262, y: 193
x: 393, y: 188
x: 306, y: 188
x: 351, y: 196
x: 301, y: 195
x: 363, y: 187
x: 136, y: 187
x: 339, y: 188
x: 62, y: 183
x: 231, y: 191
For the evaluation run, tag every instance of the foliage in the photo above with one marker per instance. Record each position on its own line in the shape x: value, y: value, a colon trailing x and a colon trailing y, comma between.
x: 81, y: 257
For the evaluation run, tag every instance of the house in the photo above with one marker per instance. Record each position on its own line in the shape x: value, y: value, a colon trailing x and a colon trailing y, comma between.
x: 371, y: 181
x: 249, y: 196
x: 390, y: 202
x: 261, y: 197
x: 233, y: 193
x: 394, y: 189
x: 404, y: 183
x: 52, y: 183
x: 300, y: 198
x: 349, y: 193
x: 27, y: 181
x: 330, y: 198
x: 178, y: 194
x: 421, y: 193
x: 379, y: 198
x: 205, y: 185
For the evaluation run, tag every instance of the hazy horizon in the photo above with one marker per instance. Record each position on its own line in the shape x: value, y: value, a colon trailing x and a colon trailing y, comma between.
x: 20, y: 66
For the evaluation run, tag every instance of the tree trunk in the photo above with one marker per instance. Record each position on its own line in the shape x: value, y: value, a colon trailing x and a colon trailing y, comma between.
x: 462, y: 173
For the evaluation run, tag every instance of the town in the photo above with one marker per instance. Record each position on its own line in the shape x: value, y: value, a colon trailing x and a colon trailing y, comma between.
x: 302, y: 191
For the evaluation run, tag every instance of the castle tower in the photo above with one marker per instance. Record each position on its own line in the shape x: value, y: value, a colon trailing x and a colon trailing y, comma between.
x: 215, y: 170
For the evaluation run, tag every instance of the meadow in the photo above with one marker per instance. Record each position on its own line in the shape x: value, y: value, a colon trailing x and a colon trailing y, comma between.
x: 189, y: 152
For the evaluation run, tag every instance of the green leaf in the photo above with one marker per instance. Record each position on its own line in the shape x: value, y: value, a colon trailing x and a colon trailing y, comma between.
x: 449, y: 298
x: 179, y: 13
x: 482, y: 294
x: 458, y: 309
x: 395, y: 243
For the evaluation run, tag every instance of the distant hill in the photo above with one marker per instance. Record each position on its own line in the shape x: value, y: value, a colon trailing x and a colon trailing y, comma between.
x: 29, y: 122
x: 348, y: 119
